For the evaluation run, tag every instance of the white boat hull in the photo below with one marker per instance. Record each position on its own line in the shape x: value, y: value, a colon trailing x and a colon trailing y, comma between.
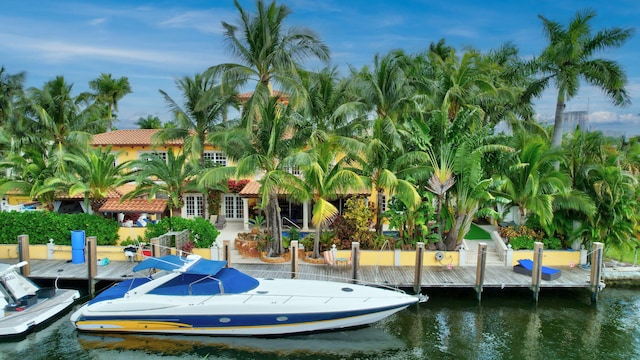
x: 275, y: 307
x: 15, y: 323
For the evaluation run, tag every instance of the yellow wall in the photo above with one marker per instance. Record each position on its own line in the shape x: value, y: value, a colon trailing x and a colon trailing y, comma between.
x: 131, y: 233
x: 550, y: 257
x: 407, y: 258
x: 17, y: 199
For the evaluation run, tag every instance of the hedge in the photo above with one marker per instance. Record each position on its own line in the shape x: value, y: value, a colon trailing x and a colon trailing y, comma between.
x: 44, y: 225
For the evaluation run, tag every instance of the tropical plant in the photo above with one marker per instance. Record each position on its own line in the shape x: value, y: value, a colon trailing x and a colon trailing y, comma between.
x: 94, y: 174
x: 325, y: 179
x: 268, y: 53
x: 261, y: 150
x: 569, y: 59
x: 172, y: 178
x: 108, y: 91
x: 150, y: 122
x: 204, y: 111
x: 11, y: 88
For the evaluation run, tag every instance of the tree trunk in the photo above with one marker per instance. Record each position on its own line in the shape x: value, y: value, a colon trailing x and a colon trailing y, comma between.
x: 316, y: 242
x: 452, y: 236
x: 440, y: 245
x: 558, y: 123
x: 276, y: 225
x: 379, y: 212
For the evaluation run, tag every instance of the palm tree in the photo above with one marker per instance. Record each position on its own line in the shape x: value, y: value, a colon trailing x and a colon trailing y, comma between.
x: 150, y: 122
x: 109, y: 91
x: 261, y: 151
x: 204, y: 110
x: 10, y: 89
x: 570, y: 58
x: 534, y: 185
x: 267, y: 53
x: 324, y: 179
x: 29, y: 170
x: 55, y: 117
x: 172, y: 178
x: 95, y: 174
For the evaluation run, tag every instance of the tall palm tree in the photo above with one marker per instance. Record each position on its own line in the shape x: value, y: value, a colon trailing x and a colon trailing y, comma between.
x: 203, y: 112
x: 11, y: 86
x: 56, y: 117
x: 109, y: 91
x: 570, y: 57
x: 261, y: 151
x: 172, y: 178
x: 268, y: 53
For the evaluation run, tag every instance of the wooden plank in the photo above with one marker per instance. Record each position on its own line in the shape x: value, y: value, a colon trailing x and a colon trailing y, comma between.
x: 432, y: 276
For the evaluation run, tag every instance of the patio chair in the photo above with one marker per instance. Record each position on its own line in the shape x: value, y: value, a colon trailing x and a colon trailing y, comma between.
x: 221, y: 222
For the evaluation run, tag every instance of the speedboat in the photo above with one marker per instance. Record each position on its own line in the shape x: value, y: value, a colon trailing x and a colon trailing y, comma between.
x: 25, y: 305
x: 192, y: 295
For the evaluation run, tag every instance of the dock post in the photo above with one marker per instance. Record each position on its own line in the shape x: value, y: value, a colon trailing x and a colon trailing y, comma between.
x: 536, y: 273
x: 355, y: 253
x: 23, y: 254
x: 480, y: 269
x: 596, y: 270
x: 293, y: 249
x: 155, y: 247
x: 226, y: 251
x: 92, y: 261
x: 417, y: 278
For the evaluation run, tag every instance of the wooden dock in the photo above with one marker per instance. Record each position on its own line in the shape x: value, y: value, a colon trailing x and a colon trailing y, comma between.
x: 432, y: 276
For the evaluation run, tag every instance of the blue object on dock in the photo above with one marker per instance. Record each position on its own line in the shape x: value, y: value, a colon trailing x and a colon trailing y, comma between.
x: 77, y: 246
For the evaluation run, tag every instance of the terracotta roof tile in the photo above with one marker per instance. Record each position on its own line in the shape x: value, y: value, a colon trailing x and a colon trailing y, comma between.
x: 129, y: 137
x: 284, y: 97
x: 252, y: 189
x: 153, y: 206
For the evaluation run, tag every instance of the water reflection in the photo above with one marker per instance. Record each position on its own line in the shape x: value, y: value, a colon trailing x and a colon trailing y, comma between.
x: 564, y: 325
x: 367, y: 341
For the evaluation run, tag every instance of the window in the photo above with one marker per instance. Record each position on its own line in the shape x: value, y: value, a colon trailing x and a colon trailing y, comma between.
x: 232, y: 206
x: 216, y: 157
x: 143, y: 154
x: 294, y: 170
x: 193, y: 204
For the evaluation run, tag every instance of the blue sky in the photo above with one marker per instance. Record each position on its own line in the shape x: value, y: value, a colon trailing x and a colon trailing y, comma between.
x: 155, y: 42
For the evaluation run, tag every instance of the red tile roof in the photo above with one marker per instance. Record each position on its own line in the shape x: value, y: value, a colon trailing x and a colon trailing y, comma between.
x: 284, y: 97
x: 252, y: 189
x: 132, y: 137
x: 153, y: 206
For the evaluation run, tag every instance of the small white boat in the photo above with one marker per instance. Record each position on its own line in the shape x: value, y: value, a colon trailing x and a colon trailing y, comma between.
x: 25, y: 305
x: 197, y: 296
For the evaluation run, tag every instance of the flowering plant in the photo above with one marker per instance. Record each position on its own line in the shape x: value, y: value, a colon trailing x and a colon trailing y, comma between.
x: 236, y: 186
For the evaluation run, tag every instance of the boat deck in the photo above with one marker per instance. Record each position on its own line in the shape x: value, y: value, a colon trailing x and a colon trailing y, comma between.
x: 432, y: 276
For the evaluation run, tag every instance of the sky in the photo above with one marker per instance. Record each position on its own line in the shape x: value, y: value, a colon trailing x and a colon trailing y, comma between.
x: 153, y: 43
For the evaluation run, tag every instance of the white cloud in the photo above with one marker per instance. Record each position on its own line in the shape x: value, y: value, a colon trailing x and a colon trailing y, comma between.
x: 204, y: 21
x: 98, y: 21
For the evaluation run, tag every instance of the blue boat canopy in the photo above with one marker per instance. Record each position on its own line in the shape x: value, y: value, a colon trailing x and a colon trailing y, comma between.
x: 173, y: 262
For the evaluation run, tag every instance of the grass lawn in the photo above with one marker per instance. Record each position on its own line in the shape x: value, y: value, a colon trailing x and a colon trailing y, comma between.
x: 626, y: 256
x: 477, y: 233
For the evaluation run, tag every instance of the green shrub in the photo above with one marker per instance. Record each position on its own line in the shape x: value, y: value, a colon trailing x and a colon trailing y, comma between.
x: 44, y: 225
x: 201, y: 231
x: 552, y: 243
x: 521, y: 243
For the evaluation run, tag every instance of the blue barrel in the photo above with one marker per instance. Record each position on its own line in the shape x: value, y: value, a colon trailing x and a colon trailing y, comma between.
x: 77, y: 246
x: 77, y: 256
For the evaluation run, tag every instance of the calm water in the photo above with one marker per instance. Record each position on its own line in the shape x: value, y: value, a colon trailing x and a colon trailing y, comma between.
x: 564, y: 325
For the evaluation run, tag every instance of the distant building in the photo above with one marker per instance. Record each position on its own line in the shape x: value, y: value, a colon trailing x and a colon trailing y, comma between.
x: 575, y: 119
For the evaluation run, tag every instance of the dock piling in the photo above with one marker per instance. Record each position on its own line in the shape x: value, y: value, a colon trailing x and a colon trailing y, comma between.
x: 596, y: 270
x: 23, y: 254
x: 480, y: 269
x: 536, y: 273
x: 355, y: 253
x: 226, y: 251
x: 92, y: 263
x: 417, y: 282
x: 293, y: 249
